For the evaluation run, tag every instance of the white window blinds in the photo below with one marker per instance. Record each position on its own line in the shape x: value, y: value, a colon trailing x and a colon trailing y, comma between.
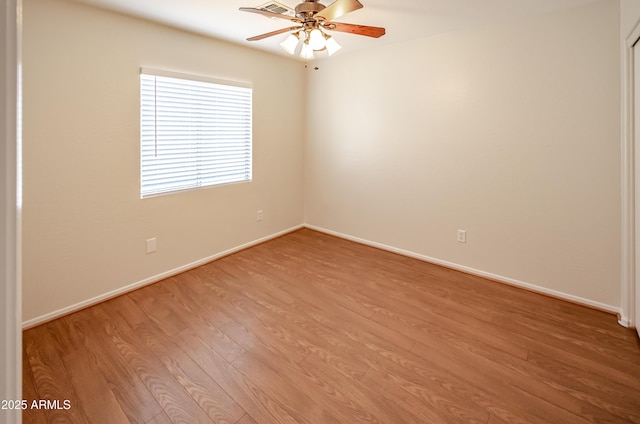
x: 194, y: 132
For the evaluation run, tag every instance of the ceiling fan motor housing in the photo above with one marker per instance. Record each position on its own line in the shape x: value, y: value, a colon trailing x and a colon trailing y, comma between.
x: 308, y: 8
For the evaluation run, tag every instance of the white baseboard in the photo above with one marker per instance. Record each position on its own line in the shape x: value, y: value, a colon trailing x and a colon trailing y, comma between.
x: 624, y: 321
x: 159, y: 277
x: 499, y: 278
x: 154, y: 279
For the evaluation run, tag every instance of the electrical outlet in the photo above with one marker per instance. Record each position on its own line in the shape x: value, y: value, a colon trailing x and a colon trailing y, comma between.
x: 462, y: 236
x: 259, y: 214
x: 151, y: 245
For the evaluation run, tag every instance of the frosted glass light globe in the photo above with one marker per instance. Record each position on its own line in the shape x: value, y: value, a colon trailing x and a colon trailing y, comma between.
x: 317, y: 40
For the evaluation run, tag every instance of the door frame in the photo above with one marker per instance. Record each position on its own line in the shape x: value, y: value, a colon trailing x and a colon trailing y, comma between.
x: 628, y: 314
x: 10, y: 207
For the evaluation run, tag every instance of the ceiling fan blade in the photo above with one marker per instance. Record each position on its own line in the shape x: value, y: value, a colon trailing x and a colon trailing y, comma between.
x: 269, y: 14
x: 369, y: 31
x: 272, y: 33
x: 338, y: 8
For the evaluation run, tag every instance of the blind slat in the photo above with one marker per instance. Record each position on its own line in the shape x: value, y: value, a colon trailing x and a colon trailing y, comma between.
x: 193, y: 134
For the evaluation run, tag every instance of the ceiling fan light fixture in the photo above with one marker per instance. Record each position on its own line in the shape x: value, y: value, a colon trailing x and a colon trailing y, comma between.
x: 307, y: 51
x: 289, y: 45
x: 332, y: 45
x: 310, y: 21
x: 317, y: 40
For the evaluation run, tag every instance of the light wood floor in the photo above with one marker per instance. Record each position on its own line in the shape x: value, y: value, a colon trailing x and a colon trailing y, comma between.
x: 310, y: 328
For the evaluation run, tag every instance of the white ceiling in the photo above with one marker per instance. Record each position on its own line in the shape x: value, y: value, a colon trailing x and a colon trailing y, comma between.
x: 403, y: 19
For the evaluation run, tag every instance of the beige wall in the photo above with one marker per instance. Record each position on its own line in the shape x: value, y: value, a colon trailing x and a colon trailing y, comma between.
x: 84, y: 224
x: 629, y: 16
x: 510, y: 132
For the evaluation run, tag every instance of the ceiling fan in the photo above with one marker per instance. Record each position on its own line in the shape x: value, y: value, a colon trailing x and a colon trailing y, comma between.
x: 313, y: 19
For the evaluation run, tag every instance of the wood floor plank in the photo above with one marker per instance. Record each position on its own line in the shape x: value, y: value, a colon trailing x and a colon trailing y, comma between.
x: 68, y: 332
x: 29, y: 393
x: 374, y: 398
x: 130, y: 391
x: 502, y: 385
x: 281, y: 388
x: 427, y: 400
x: 250, y: 397
x: 172, y: 397
x: 247, y: 419
x: 319, y: 339
x: 259, y: 321
x: 573, y: 375
x: 132, y: 313
x: 160, y: 309
x: 330, y: 397
x: 312, y: 329
x: 342, y: 312
x: 51, y: 382
x: 205, y: 317
x: 205, y: 391
x: 436, y: 369
x: 161, y: 418
x: 96, y: 397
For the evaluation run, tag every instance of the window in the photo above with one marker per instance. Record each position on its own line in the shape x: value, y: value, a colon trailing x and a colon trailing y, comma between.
x: 194, y: 132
